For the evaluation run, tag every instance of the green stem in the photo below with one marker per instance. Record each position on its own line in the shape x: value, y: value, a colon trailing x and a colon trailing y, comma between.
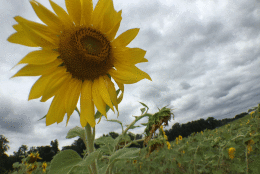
x: 137, y: 118
x: 90, y: 145
x: 129, y: 144
x: 246, y: 162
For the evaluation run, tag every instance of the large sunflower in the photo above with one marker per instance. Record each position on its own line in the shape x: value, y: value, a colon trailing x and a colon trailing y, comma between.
x: 79, y: 54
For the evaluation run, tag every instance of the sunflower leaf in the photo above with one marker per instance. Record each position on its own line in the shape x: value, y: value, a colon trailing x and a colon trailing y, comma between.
x: 123, y: 154
x: 144, y: 105
x: 69, y: 161
x: 106, y: 144
x: 76, y: 109
x: 132, y: 127
x: 76, y: 131
x: 142, y: 110
x: 42, y: 118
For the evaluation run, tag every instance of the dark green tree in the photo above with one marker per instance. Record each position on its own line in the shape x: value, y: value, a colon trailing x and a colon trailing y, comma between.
x: 3, y: 145
x: 22, y: 150
x: 3, y: 156
x: 114, y: 135
x: 55, y: 146
x: 213, y: 123
x: 33, y: 149
x: 46, y: 153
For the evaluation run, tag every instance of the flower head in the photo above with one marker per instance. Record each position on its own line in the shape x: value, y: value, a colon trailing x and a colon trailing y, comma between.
x: 180, y: 137
x: 165, y: 137
x: 231, y: 152
x: 44, y: 165
x: 33, y: 157
x: 79, y: 54
x: 168, y: 145
x: 251, y: 113
x: 249, y: 147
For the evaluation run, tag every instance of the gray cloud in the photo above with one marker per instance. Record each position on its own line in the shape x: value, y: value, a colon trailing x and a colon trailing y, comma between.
x: 13, y: 121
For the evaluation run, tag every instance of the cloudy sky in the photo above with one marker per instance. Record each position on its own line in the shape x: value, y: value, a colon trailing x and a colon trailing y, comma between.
x: 204, y: 61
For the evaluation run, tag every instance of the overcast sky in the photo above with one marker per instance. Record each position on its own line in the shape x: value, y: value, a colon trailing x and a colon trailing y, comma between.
x: 204, y: 61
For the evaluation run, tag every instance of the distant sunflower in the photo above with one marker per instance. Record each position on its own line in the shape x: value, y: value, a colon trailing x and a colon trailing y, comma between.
x: 79, y: 54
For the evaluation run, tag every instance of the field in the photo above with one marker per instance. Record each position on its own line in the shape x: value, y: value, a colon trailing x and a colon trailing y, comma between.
x: 230, y: 149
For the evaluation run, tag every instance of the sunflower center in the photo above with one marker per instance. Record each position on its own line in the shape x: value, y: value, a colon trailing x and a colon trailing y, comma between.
x: 86, y: 53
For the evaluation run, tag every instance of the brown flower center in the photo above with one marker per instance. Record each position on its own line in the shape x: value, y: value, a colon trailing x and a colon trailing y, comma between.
x: 86, y: 53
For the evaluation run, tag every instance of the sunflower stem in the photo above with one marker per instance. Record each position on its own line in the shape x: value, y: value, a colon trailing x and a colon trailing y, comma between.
x: 90, y: 145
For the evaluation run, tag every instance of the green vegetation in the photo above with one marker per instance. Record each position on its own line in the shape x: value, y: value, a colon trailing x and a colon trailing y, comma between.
x: 208, y: 152
x: 229, y: 149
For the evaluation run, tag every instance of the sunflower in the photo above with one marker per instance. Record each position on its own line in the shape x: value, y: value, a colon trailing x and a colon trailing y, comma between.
x: 79, y: 56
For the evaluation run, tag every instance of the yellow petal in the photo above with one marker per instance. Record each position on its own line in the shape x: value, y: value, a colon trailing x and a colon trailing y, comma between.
x: 18, y: 27
x: 40, y: 28
x: 47, y: 16
x: 128, y: 74
x: 102, y: 87
x: 98, y: 101
x: 40, y: 57
x: 128, y: 55
x: 105, y: 20
x: 55, y: 83
x: 86, y: 105
x: 39, y: 39
x: 111, y: 91
x: 37, y: 70
x: 22, y: 39
x: 39, y: 86
x: 125, y: 38
x: 98, y: 13
x: 72, y: 96
x: 111, y: 18
x: 57, y: 111
x: 62, y: 14
x: 74, y: 10
x: 112, y: 32
x: 62, y: 91
x: 143, y: 60
x: 86, y: 12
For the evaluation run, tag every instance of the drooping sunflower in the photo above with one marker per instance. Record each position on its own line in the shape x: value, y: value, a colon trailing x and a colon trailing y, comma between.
x: 79, y: 55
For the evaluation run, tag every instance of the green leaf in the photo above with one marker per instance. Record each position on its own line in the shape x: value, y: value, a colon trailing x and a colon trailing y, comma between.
x: 122, y: 138
x: 82, y: 167
x: 124, y: 154
x: 103, y: 169
x: 76, y: 131
x: 16, y: 165
x: 42, y: 118
x: 65, y: 161
x: 144, y: 105
x: 132, y: 127
x: 76, y: 109
x: 142, y: 110
x: 107, y: 144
